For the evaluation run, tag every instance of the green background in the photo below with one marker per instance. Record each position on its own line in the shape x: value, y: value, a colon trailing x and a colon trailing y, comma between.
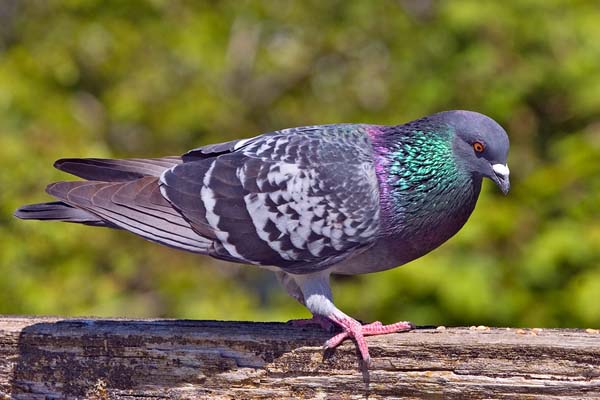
x: 148, y: 78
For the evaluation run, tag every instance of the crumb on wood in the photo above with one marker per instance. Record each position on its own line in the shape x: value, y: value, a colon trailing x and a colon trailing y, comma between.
x: 98, y: 391
x: 479, y: 328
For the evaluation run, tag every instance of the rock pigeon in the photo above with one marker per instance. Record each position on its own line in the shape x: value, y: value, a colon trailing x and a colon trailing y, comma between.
x: 304, y: 202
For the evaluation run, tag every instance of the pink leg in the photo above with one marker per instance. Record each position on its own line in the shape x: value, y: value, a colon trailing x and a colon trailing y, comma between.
x: 354, y: 329
x: 316, y: 296
x: 325, y: 323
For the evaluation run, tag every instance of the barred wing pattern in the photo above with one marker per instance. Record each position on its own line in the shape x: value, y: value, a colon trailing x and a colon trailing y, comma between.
x: 301, y: 199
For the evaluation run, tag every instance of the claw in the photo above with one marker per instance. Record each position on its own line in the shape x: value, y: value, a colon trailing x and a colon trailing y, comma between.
x: 335, y: 341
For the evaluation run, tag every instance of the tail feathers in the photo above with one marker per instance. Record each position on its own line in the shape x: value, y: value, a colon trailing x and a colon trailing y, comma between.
x: 59, y: 211
x: 115, y: 170
x: 135, y: 206
x: 123, y: 194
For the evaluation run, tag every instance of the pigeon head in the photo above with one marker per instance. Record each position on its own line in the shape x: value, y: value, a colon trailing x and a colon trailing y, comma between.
x: 480, y: 145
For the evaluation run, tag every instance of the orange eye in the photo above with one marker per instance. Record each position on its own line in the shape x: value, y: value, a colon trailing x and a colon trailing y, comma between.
x: 478, y: 147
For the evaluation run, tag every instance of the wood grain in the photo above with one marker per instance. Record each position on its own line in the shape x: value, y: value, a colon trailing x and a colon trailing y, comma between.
x: 56, y: 358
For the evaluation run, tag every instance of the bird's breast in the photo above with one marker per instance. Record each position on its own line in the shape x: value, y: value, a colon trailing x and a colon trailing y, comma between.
x: 415, y: 232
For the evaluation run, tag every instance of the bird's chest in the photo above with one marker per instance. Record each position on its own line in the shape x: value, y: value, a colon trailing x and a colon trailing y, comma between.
x: 430, y: 213
x: 424, y: 224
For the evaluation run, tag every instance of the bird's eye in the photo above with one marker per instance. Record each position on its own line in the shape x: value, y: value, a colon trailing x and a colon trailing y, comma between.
x: 478, y: 147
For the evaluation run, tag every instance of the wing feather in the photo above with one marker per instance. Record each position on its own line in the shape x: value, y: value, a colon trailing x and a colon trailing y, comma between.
x: 116, y: 170
x: 115, y: 202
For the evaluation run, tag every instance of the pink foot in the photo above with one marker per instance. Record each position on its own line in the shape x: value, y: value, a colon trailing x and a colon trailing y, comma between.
x: 319, y: 320
x: 356, y: 330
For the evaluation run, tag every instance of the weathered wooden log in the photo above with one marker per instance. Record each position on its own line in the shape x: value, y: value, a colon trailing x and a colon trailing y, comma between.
x: 55, y: 358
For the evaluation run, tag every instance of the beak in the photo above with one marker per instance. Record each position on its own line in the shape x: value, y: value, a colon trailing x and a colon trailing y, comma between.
x: 501, y: 173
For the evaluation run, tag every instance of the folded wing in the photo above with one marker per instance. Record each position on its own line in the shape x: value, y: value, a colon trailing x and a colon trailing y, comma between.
x: 300, y: 199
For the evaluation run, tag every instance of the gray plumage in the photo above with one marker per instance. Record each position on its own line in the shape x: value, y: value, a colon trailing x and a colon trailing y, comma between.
x: 309, y: 201
x: 301, y: 199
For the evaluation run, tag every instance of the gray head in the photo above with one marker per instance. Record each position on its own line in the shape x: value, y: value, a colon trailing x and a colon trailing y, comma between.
x: 480, y: 145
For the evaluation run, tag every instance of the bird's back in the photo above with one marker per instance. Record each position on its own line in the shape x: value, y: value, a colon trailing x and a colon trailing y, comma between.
x: 301, y: 199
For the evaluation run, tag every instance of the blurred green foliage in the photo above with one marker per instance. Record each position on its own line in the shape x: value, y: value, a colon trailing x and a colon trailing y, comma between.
x: 148, y: 78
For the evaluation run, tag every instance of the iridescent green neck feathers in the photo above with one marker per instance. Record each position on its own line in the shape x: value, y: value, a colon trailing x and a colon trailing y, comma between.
x: 423, y: 184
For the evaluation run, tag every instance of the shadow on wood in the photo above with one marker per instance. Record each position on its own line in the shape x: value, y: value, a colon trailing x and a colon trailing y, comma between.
x: 127, y: 359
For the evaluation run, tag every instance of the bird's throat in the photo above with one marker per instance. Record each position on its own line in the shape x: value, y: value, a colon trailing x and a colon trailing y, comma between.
x: 424, y: 191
